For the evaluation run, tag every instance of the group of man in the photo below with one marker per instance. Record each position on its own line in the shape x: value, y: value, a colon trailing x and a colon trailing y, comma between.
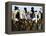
x: 24, y: 14
x: 27, y: 15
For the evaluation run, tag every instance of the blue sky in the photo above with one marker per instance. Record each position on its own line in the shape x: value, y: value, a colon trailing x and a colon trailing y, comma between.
x: 21, y: 7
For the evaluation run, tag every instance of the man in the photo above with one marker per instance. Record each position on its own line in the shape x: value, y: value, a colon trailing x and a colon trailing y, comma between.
x: 16, y: 14
x: 23, y: 13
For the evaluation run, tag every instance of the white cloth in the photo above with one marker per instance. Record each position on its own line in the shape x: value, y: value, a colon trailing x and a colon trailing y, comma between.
x: 22, y: 14
x: 14, y: 15
x: 28, y: 16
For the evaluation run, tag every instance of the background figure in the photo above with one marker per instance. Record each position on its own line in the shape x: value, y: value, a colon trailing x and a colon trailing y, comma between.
x: 25, y: 9
x: 18, y: 14
x: 41, y: 13
x: 32, y: 10
x: 22, y: 14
